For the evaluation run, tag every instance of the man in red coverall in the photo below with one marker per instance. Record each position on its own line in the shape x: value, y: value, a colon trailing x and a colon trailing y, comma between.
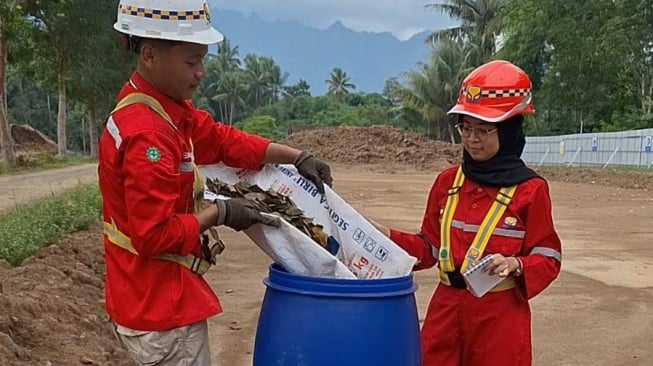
x: 491, y: 204
x: 148, y: 179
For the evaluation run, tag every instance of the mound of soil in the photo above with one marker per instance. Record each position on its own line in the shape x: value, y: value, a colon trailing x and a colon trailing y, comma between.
x: 375, y: 145
x: 31, y: 145
x: 51, y: 307
x: 386, y: 149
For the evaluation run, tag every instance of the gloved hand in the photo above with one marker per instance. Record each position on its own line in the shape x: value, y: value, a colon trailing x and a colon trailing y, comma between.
x: 239, y: 214
x: 313, y: 169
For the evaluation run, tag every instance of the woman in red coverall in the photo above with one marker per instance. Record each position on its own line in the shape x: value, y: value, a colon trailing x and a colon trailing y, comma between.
x: 495, y: 329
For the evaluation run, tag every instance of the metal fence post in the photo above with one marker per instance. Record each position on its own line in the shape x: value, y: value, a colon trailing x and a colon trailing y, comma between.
x: 611, y: 157
x: 573, y: 159
x: 546, y: 153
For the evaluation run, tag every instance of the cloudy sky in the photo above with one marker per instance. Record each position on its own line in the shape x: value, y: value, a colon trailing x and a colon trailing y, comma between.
x: 403, y: 18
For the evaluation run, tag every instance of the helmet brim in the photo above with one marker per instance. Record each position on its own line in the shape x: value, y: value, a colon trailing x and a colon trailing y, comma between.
x: 492, y: 115
x: 207, y: 37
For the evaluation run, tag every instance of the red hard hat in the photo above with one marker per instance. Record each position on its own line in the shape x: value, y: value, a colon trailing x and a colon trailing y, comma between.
x: 494, y: 92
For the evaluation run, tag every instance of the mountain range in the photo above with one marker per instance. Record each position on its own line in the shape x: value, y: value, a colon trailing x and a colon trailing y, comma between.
x: 369, y: 59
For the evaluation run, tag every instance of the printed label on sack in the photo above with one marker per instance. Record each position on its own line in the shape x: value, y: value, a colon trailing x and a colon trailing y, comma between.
x: 356, y: 243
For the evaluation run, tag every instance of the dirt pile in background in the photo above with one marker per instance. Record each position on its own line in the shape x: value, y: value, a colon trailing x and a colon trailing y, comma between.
x: 375, y: 145
x: 31, y: 145
x: 52, y: 310
x: 385, y: 149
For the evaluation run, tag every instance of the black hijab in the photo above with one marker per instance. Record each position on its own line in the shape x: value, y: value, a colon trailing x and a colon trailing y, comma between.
x: 506, y: 168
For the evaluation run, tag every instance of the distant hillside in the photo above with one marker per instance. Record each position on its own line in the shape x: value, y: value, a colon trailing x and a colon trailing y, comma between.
x: 308, y: 53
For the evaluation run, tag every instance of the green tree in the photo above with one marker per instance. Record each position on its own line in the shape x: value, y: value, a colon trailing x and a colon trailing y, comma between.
x: 58, y: 30
x: 339, y: 84
x: 480, y: 24
x: 260, y: 125
x: 231, y: 89
x: 96, y: 77
x: 301, y: 88
x: 257, y: 71
x: 28, y: 104
x: 433, y: 88
x: 591, y: 62
x: 390, y: 89
x: 221, y: 70
x: 12, y: 17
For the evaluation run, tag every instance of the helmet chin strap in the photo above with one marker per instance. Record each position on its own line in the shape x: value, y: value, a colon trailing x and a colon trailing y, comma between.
x: 134, y: 44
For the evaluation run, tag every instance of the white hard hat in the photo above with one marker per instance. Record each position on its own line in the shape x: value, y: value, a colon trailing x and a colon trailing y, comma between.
x: 173, y: 20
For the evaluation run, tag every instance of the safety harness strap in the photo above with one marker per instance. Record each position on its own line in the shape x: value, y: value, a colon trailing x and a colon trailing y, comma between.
x: 193, y: 263
x: 485, y: 230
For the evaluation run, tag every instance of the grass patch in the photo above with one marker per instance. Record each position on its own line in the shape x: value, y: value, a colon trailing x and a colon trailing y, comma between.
x: 26, y: 229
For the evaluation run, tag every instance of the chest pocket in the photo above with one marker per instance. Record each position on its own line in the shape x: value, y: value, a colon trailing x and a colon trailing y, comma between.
x: 508, y: 236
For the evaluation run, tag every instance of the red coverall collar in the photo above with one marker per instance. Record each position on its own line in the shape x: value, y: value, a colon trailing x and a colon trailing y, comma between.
x: 176, y: 111
x: 470, y: 186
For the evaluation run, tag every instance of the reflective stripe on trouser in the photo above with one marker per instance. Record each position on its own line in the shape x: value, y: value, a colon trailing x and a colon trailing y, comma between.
x: 187, y: 345
x: 460, y: 329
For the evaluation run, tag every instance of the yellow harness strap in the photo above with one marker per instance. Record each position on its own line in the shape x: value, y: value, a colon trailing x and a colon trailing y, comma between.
x: 485, y: 230
x: 193, y: 263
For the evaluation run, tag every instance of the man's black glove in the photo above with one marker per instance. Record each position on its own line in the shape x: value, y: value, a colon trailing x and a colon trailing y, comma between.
x: 313, y: 169
x: 239, y: 214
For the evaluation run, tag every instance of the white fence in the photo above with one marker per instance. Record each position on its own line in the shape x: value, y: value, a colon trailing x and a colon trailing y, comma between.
x: 627, y: 148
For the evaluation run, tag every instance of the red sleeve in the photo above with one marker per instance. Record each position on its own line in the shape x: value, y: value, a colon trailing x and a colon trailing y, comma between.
x: 214, y: 142
x: 542, y: 252
x: 424, y: 245
x: 151, y: 191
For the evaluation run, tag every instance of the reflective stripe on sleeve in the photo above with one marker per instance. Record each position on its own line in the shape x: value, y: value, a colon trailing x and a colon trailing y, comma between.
x: 547, y: 252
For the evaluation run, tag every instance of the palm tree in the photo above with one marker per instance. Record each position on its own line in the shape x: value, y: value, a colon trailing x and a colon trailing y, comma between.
x: 339, y: 84
x: 480, y: 23
x: 227, y: 56
x: 301, y: 88
x: 210, y: 86
x: 257, y: 78
x: 432, y: 89
x: 277, y: 80
x: 232, y: 87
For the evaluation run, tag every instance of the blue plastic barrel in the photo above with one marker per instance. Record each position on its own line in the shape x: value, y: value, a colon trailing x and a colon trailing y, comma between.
x: 308, y: 321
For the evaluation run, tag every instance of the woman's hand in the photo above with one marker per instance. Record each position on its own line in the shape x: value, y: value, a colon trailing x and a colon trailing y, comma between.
x: 503, y: 266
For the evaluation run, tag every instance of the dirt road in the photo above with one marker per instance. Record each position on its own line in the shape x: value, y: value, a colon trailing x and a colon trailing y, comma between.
x: 19, y: 189
x: 599, y: 312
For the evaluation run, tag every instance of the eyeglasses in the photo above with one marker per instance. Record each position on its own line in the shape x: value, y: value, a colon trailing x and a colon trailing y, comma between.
x: 481, y: 132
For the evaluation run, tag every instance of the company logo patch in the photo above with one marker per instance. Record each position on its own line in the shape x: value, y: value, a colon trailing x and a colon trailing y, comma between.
x: 473, y: 254
x: 509, y: 222
x: 444, y: 254
x: 153, y: 154
x: 473, y: 93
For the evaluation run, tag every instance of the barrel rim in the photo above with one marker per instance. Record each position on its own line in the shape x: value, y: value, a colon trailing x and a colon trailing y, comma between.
x: 281, y: 280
